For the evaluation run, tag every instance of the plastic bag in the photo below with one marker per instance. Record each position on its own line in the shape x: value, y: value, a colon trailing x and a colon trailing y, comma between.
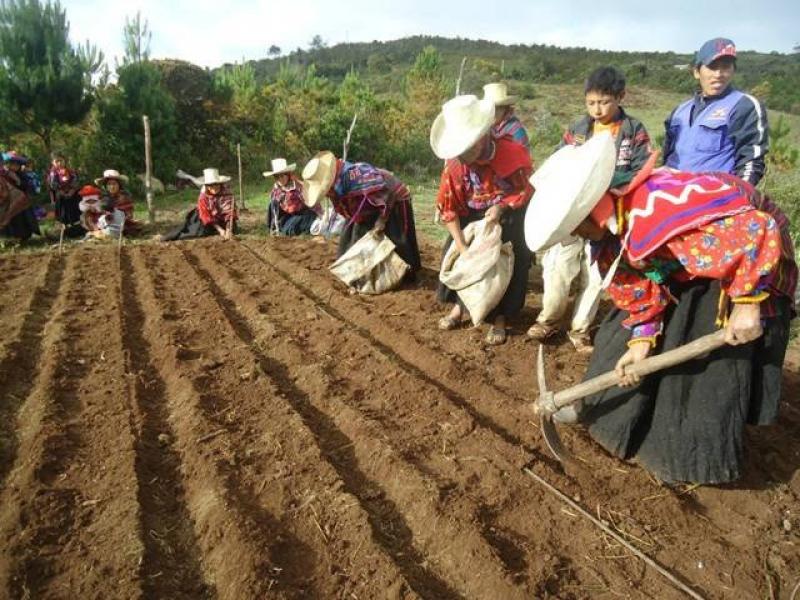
x: 371, y: 265
x: 481, y: 275
x: 330, y: 223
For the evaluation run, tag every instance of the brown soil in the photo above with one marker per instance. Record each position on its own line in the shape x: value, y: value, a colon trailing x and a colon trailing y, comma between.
x: 226, y: 421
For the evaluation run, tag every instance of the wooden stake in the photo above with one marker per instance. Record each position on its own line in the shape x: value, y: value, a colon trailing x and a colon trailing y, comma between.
x: 241, y: 189
x: 61, y: 239
x: 647, y: 560
x: 148, y: 166
x: 346, y: 144
x: 460, y: 76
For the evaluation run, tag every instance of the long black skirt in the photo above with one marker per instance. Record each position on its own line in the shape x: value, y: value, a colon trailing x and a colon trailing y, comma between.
x: 191, y: 228
x: 687, y: 423
x: 399, y: 228
x: 290, y: 224
x: 22, y: 226
x: 513, y: 225
x: 66, y: 209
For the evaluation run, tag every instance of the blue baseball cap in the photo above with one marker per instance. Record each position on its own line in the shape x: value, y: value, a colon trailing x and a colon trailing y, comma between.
x: 714, y: 49
x: 12, y: 156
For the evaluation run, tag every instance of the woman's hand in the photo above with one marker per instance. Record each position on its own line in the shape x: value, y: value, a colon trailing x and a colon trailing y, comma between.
x: 380, y: 225
x: 637, y: 352
x: 744, y: 324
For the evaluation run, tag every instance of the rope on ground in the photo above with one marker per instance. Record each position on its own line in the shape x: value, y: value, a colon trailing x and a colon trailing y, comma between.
x: 647, y: 560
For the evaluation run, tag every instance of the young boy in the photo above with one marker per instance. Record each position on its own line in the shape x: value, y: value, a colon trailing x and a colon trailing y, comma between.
x: 604, y: 92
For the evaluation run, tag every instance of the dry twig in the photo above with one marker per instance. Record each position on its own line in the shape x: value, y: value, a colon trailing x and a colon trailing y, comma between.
x: 649, y: 561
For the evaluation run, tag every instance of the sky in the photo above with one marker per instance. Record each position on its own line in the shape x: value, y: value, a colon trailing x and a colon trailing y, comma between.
x: 213, y: 33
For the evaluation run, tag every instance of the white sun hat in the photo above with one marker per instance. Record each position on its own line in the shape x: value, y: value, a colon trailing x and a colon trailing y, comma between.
x: 462, y: 122
x: 567, y: 187
x: 498, y: 93
x: 111, y: 174
x: 318, y: 176
x: 212, y: 176
x: 279, y: 166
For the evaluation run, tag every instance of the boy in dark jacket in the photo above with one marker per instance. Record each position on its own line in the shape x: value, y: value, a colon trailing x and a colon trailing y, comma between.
x: 604, y: 93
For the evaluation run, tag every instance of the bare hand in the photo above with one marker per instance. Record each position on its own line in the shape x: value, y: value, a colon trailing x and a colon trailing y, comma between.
x: 637, y: 352
x: 744, y: 324
x: 379, y: 226
x: 493, y: 214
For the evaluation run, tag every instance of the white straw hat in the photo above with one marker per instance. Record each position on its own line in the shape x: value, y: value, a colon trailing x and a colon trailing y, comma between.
x: 567, y: 187
x: 111, y: 174
x: 462, y: 122
x: 498, y: 93
x: 279, y: 166
x: 318, y: 176
x: 212, y: 176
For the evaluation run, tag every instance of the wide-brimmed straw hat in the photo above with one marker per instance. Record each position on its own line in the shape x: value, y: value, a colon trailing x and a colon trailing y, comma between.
x: 462, y: 122
x: 568, y: 186
x: 279, y: 166
x: 498, y: 93
x: 318, y: 176
x: 212, y: 176
x: 111, y: 174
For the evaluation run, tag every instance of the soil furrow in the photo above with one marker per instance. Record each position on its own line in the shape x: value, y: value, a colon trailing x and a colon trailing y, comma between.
x: 237, y: 539
x: 22, y: 349
x: 69, y: 507
x: 171, y: 565
x: 459, y: 551
x: 273, y: 473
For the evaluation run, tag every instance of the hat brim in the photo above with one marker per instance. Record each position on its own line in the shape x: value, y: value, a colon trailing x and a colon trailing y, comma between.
x: 507, y: 101
x: 567, y: 187
x: 220, y: 179
x: 448, y: 143
x: 102, y: 180
x: 314, y: 191
x: 288, y: 169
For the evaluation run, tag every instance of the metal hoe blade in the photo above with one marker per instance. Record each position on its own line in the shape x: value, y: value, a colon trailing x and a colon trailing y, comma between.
x: 548, y: 427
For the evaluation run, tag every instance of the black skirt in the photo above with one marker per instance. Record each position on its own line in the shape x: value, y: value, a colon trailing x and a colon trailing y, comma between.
x: 290, y: 224
x: 192, y: 228
x: 513, y: 225
x: 687, y: 423
x: 22, y: 226
x: 399, y: 228
x: 66, y: 209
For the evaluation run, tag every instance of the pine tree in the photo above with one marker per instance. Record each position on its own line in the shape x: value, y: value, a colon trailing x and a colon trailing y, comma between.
x: 43, y: 78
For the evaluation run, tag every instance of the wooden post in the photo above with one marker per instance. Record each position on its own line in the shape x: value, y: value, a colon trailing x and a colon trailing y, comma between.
x: 148, y: 166
x: 241, y: 189
x: 346, y: 144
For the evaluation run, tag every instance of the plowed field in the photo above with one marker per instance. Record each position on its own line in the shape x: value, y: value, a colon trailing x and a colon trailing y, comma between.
x: 223, y: 420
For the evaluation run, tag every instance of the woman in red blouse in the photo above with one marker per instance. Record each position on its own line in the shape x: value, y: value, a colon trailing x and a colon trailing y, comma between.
x: 683, y: 254
x: 287, y: 213
x: 116, y: 198
x: 483, y: 178
x: 215, y: 213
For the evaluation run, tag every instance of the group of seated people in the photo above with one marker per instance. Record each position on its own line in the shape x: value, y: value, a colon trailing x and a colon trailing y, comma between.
x: 102, y: 209
x: 681, y: 249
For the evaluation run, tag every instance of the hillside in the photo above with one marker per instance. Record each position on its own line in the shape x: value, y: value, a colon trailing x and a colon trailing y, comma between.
x: 774, y: 77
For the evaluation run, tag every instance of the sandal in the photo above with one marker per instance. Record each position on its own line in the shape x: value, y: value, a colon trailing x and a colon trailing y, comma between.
x: 581, y: 341
x: 541, y: 332
x: 496, y: 336
x: 448, y: 323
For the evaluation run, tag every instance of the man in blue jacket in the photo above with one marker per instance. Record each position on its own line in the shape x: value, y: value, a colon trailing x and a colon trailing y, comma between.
x: 720, y: 128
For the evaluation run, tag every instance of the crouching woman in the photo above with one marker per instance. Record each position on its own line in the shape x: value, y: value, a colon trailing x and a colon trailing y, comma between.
x: 683, y: 254
x: 215, y: 213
